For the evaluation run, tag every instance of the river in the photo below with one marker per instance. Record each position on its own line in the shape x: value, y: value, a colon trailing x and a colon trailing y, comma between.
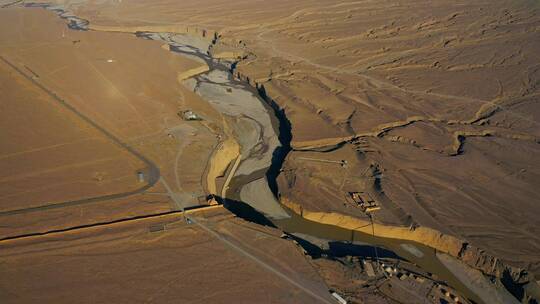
x: 263, y: 133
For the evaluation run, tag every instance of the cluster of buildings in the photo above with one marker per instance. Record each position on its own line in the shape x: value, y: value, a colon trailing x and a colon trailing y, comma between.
x: 364, y: 201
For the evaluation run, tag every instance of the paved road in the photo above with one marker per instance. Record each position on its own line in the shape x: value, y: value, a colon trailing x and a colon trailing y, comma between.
x: 11, y: 3
x: 260, y: 262
x: 151, y: 169
x: 178, y: 205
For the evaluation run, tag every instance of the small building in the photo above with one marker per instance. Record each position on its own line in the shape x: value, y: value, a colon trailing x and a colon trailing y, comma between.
x: 369, y: 268
x: 339, y: 298
x: 156, y: 228
x: 140, y: 176
x: 364, y: 201
x: 189, y: 115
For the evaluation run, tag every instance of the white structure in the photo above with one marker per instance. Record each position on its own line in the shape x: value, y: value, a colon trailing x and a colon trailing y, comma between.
x: 190, y: 115
x: 339, y: 298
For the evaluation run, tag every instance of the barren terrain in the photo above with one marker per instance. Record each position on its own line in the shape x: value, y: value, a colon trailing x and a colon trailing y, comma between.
x: 169, y: 261
x: 427, y: 108
x: 444, y: 94
x: 99, y: 166
x: 83, y: 115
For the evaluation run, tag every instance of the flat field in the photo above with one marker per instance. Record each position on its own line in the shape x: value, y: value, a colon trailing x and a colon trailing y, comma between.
x: 82, y: 114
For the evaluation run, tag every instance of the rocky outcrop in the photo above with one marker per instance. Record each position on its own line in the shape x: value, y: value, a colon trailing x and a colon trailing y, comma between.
x: 193, y: 72
x: 320, y: 144
x: 225, y: 153
x: 460, y: 137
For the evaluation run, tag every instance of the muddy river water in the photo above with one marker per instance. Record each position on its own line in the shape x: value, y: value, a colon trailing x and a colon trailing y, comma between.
x: 257, y: 127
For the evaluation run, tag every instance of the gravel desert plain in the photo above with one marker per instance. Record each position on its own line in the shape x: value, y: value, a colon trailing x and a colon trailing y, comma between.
x: 249, y: 151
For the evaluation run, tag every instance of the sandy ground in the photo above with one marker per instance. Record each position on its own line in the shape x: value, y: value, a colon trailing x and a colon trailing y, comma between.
x: 125, y: 85
x: 63, y: 251
x: 48, y: 149
x: 254, y: 130
x: 259, y: 196
x: 169, y: 261
x: 248, y: 134
x: 434, y: 104
x: 486, y: 290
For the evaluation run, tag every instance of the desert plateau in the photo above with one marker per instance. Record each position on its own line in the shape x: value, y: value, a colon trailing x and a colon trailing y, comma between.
x: 299, y: 151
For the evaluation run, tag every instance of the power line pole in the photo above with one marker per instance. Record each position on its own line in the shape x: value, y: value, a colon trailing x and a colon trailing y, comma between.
x: 373, y: 232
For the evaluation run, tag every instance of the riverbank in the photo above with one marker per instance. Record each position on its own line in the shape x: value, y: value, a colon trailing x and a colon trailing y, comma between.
x: 462, y: 259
